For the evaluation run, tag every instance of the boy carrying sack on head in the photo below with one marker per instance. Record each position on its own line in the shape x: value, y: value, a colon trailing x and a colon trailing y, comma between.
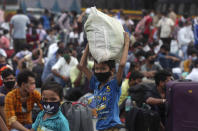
x: 106, y: 88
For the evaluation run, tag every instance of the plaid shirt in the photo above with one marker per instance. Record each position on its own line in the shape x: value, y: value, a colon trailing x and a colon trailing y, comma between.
x: 13, y: 107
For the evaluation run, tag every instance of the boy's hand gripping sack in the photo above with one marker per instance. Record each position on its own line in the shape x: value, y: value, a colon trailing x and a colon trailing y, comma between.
x: 105, y: 36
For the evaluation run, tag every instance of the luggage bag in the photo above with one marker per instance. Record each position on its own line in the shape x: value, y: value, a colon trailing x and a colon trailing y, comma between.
x: 182, y: 106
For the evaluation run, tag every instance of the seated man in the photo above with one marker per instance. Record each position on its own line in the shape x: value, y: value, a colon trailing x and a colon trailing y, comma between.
x: 62, y: 69
x: 150, y: 67
x: 156, y: 97
x: 134, y: 78
x: 48, y: 65
x: 20, y: 102
x: 8, y: 85
x: 166, y: 59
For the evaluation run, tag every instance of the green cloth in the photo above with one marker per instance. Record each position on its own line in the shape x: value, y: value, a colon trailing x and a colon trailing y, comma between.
x: 66, y: 56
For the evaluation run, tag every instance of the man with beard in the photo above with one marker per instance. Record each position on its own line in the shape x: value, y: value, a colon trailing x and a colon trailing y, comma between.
x: 20, y: 102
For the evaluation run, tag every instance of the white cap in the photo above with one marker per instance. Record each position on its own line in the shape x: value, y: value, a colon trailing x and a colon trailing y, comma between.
x: 3, y: 53
x: 87, y: 11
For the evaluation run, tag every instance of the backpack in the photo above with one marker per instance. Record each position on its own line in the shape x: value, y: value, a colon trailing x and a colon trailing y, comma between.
x: 78, y: 115
x: 138, y: 93
x: 142, y: 119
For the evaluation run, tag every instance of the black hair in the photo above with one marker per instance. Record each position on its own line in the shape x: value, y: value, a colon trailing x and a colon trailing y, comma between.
x: 5, y: 31
x: 165, y: 47
x: 192, y: 51
x: 110, y: 63
x: 23, y: 76
x: 135, y: 75
x: 186, y: 15
x: 148, y: 54
x: 5, y: 73
x: 53, y: 86
x: 46, y: 11
x: 133, y: 65
x: 180, y: 24
x: 144, y: 12
x: 34, y: 32
x: 136, y: 44
x: 59, y: 42
x: 73, y: 94
x: 74, y: 13
x: 155, y: 43
x: 161, y: 76
x: 195, y: 63
x: 19, y: 11
x: 61, y: 51
x: 140, y: 53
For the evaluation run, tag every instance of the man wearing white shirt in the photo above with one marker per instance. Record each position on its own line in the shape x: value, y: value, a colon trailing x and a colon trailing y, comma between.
x: 54, y: 47
x: 165, y: 26
x: 62, y: 69
x: 193, y: 74
x: 185, y: 37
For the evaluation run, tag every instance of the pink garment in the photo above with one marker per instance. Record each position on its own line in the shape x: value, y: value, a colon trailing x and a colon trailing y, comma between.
x: 4, y: 42
x: 1, y: 16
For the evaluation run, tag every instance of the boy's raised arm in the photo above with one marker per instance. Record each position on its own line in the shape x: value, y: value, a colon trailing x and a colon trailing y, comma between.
x: 83, y: 63
x: 123, y: 58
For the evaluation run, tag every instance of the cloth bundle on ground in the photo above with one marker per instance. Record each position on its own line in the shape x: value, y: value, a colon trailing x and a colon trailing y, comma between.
x: 105, y: 36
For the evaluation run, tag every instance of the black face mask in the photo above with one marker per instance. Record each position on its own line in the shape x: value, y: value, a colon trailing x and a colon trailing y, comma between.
x: 50, y: 107
x: 1, y: 65
x: 103, y: 77
x: 9, y: 84
x: 152, y: 61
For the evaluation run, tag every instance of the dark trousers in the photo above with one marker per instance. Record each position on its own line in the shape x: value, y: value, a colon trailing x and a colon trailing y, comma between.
x: 166, y: 41
x: 19, y: 44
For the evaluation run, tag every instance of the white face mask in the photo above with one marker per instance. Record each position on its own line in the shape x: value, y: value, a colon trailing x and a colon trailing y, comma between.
x: 152, y: 14
x: 194, y: 58
x: 151, y: 27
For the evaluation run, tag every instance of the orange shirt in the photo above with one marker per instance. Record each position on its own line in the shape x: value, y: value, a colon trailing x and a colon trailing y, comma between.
x: 13, y: 107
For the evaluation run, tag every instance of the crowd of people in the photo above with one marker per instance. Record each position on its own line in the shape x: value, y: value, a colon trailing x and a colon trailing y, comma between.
x: 52, y: 53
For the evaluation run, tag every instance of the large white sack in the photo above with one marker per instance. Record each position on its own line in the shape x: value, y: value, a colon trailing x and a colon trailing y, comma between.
x: 105, y: 36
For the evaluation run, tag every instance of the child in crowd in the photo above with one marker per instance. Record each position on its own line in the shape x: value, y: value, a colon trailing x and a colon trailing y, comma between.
x: 106, y: 88
x: 51, y: 118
